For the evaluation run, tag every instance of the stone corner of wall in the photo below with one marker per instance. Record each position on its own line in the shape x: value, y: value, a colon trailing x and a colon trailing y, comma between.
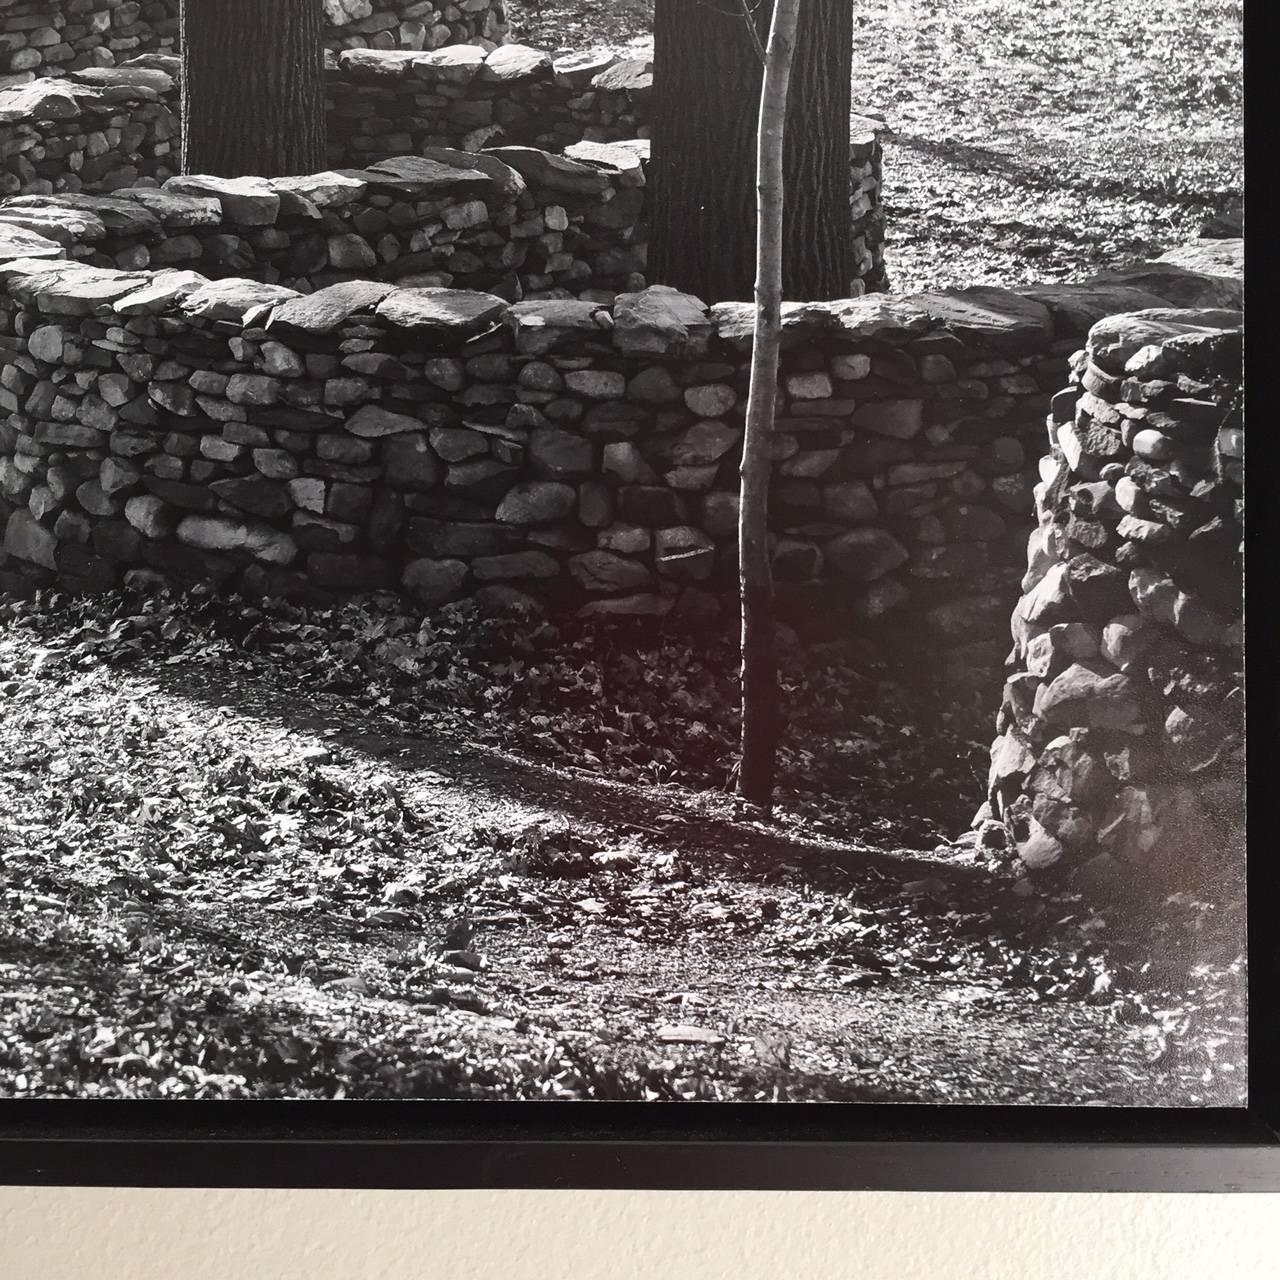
x: 1119, y: 756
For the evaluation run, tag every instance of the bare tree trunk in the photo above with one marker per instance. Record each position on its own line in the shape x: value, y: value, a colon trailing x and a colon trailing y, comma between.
x: 761, y: 711
x: 253, y: 87
x: 701, y: 198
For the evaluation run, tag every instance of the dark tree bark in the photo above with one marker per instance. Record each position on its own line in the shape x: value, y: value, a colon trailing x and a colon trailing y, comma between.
x: 707, y: 83
x: 253, y: 87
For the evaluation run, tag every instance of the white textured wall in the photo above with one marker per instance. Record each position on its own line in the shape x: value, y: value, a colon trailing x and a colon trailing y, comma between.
x: 47, y: 1234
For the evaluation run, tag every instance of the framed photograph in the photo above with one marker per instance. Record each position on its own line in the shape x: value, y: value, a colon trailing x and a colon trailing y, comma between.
x: 564, y: 558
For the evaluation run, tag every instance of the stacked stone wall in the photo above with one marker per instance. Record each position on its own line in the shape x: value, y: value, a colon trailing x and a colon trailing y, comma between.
x: 462, y: 96
x: 513, y: 220
x: 105, y: 129
x: 443, y: 443
x: 52, y: 37
x: 1120, y: 753
x: 73, y: 135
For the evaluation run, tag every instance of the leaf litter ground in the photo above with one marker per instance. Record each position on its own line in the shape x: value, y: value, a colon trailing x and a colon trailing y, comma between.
x: 265, y: 851
x: 1027, y: 142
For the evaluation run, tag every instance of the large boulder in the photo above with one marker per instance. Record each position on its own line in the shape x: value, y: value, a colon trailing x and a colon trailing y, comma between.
x: 372, y: 422
x: 165, y: 289
x: 856, y: 319
x: 1209, y: 257
x: 425, y: 179
x: 515, y: 63
x: 603, y: 572
x: 119, y: 216
x: 1114, y: 340
x: 543, y: 325
x: 1089, y: 696
x: 82, y: 290
x: 1178, y: 286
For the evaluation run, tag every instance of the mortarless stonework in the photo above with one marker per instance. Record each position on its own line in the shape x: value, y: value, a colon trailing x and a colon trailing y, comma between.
x: 103, y: 130
x: 443, y: 442
x: 513, y: 220
x: 1120, y: 753
x: 52, y: 37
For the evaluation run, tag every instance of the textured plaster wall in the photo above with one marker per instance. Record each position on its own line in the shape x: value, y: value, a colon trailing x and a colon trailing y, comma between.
x: 51, y: 1233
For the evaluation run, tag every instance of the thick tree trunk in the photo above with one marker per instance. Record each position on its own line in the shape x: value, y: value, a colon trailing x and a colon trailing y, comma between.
x: 761, y: 718
x: 707, y: 80
x: 253, y: 87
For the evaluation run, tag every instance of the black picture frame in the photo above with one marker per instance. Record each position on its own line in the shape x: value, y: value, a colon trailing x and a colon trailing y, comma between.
x: 792, y: 1146
x: 639, y: 1146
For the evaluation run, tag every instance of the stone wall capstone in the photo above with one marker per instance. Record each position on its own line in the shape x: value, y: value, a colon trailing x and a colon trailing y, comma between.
x: 52, y: 37
x: 1120, y: 752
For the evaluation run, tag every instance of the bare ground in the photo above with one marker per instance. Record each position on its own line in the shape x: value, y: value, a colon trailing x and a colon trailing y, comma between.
x: 220, y: 883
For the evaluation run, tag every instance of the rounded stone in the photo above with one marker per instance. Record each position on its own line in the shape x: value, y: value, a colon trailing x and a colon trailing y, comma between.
x: 1153, y: 445
x: 537, y: 502
x: 596, y: 384
x: 712, y: 400
x: 653, y: 386
x: 863, y: 555
x: 434, y: 581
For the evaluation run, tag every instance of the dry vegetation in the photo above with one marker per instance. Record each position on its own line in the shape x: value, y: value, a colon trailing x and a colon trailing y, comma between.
x: 261, y: 851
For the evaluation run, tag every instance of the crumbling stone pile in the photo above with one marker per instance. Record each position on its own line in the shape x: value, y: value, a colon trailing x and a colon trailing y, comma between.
x: 53, y: 37
x: 98, y: 131
x: 577, y: 454
x: 1119, y: 759
x: 513, y: 220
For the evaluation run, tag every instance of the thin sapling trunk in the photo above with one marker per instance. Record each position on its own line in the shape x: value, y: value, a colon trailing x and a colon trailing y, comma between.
x: 761, y: 704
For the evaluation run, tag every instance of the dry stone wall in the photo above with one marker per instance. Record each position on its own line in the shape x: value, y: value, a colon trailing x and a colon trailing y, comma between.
x: 98, y: 132
x: 1120, y: 750
x: 107, y: 128
x: 584, y: 454
x: 513, y: 220
x: 52, y: 37
x: 396, y: 101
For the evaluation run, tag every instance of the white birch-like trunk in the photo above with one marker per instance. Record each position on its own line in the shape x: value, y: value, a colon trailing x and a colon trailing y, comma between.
x: 761, y: 711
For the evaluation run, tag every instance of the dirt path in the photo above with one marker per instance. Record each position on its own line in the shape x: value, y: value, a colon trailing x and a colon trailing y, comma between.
x: 217, y: 877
